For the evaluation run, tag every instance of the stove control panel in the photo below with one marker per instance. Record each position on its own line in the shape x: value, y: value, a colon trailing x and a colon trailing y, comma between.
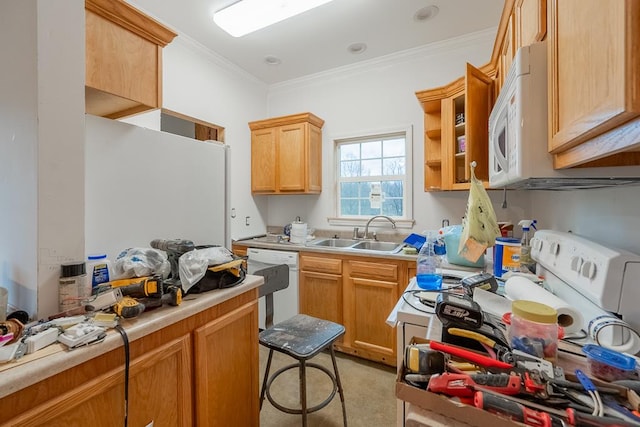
x: 596, y: 271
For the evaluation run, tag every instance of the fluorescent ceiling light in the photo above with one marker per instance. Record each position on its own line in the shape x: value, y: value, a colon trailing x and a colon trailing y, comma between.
x: 247, y: 16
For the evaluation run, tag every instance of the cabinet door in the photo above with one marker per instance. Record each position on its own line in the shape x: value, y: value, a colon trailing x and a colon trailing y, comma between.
x: 478, y: 93
x: 371, y: 292
x: 292, y: 157
x: 531, y: 21
x: 314, y: 160
x: 594, y: 84
x: 263, y: 161
x: 156, y: 378
x: 226, y: 370
x: 321, y: 296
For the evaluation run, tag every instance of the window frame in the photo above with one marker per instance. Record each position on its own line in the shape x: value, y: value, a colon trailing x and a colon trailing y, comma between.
x: 407, y: 220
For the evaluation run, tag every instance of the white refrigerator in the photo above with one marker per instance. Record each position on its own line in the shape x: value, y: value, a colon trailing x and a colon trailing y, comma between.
x: 143, y: 184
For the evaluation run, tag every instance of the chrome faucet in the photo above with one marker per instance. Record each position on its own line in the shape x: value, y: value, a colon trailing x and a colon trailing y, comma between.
x: 366, y: 227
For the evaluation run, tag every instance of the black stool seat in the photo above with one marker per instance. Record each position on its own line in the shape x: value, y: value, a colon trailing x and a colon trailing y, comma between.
x: 302, y: 337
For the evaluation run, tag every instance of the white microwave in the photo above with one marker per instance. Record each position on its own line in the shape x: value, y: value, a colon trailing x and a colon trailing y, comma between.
x: 518, y: 151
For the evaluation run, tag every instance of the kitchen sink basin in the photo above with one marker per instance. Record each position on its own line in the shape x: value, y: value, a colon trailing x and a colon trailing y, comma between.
x: 373, y: 245
x: 334, y: 243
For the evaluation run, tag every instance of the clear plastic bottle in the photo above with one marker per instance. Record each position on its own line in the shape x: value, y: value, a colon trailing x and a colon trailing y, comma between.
x: 427, y: 264
x: 526, y: 262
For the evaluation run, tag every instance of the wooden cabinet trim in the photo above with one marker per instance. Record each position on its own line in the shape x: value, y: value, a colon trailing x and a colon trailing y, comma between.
x: 287, y: 120
x: 132, y: 19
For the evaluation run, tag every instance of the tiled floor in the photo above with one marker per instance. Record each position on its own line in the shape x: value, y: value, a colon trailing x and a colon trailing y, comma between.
x: 369, y: 390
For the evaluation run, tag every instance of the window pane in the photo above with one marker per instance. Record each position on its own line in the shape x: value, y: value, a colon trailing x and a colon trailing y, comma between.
x: 393, y: 147
x: 392, y: 189
x: 349, y: 189
x: 366, y: 209
x: 371, y: 149
x: 394, y: 166
x: 350, y: 169
x: 349, y: 207
x: 367, y: 162
x: 365, y: 188
x: 392, y: 207
x: 371, y: 167
x: 349, y: 151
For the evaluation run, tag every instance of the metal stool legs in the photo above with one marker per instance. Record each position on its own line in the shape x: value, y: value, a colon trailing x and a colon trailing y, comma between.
x: 302, y: 375
x: 335, y: 369
x: 266, y: 377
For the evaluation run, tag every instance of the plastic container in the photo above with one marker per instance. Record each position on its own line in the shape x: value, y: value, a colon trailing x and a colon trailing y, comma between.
x: 73, y: 285
x: 534, y: 329
x: 526, y: 262
x: 506, y: 255
x: 99, y: 269
x: 451, y: 236
x: 427, y: 265
x: 609, y: 365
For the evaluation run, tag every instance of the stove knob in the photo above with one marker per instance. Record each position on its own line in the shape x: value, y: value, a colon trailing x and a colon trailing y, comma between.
x: 576, y: 263
x: 554, y: 248
x: 589, y: 270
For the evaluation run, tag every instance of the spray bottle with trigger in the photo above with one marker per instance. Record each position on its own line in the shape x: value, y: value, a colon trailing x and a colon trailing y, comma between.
x: 526, y: 263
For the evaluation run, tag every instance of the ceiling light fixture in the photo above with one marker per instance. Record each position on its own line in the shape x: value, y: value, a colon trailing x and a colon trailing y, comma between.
x: 356, y: 48
x: 426, y: 13
x: 246, y: 16
x: 272, y: 60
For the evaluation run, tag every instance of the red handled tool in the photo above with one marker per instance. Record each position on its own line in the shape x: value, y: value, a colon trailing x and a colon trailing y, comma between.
x: 558, y: 416
x: 469, y: 355
x: 463, y: 385
x: 515, y: 411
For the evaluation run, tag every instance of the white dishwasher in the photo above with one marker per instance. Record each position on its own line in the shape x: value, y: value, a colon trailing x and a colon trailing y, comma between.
x: 285, y: 301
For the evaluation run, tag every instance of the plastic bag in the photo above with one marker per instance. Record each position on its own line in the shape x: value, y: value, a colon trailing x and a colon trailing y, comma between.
x: 193, y: 265
x: 479, y: 226
x: 140, y: 262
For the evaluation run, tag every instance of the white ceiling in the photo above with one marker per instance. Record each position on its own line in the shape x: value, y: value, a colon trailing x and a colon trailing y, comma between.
x: 317, y: 40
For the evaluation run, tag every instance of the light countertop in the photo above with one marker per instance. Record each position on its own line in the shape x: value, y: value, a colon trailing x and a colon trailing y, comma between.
x: 55, y: 358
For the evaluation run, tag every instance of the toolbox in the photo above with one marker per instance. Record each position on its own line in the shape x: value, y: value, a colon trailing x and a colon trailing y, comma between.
x: 463, y: 413
x: 445, y: 406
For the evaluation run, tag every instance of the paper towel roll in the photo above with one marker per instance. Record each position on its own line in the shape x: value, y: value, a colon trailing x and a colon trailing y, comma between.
x: 298, y: 232
x: 519, y: 288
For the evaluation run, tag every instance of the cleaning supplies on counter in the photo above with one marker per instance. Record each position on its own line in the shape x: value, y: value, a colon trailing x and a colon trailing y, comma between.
x: 427, y: 264
x: 526, y: 263
x: 506, y: 255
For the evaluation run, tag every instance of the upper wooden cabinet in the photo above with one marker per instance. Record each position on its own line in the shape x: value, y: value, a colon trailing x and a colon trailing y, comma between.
x: 456, y: 130
x: 286, y: 155
x: 123, y: 74
x: 594, y: 82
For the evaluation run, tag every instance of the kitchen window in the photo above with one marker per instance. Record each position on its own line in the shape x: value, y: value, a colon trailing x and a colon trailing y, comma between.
x: 373, y: 177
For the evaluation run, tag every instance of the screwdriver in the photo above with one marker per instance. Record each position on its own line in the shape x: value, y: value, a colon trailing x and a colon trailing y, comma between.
x: 515, y: 411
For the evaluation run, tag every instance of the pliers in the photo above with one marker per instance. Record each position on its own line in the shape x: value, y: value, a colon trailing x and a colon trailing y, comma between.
x: 497, y: 351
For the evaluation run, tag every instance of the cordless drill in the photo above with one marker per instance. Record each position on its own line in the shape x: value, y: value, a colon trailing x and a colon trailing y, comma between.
x: 174, y: 250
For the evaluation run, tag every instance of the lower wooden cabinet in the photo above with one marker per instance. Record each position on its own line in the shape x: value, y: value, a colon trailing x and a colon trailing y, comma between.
x: 226, y: 370
x: 216, y: 350
x: 320, y: 287
x: 357, y: 292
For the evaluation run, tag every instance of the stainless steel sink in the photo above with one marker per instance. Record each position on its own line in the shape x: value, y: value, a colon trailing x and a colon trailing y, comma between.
x: 333, y: 243
x: 373, y: 245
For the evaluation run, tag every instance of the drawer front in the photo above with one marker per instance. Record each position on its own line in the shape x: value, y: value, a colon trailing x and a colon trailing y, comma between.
x: 376, y: 271
x: 321, y: 264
